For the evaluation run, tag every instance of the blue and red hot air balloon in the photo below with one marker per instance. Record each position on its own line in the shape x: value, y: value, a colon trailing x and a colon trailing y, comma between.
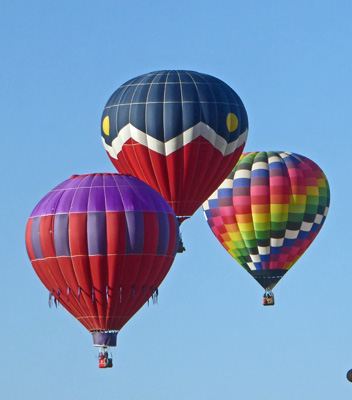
x: 181, y: 132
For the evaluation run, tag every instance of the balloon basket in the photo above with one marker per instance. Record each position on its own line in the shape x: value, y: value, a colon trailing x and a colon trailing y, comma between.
x: 181, y: 247
x: 104, y: 364
x: 268, y: 298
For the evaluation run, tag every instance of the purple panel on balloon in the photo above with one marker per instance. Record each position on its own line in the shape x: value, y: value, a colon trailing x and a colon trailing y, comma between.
x: 109, y: 180
x: 164, y: 227
x: 160, y: 205
x: 98, y: 181
x: 47, y: 205
x: 134, y: 232
x: 61, y: 239
x: 37, y: 211
x: 85, y: 180
x: 80, y: 200
x: 37, y: 248
x: 96, y: 230
x: 96, y: 201
x: 65, y: 202
x: 130, y: 199
x: 146, y: 200
x: 113, y: 199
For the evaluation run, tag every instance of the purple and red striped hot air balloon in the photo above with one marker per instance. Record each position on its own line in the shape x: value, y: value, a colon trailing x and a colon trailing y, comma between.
x: 102, y: 244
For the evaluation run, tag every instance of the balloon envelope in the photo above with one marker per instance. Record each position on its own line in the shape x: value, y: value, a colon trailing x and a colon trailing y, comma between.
x: 349, y: 375
x: 102, y: 244
x: 268, y: 211
x: 181, y: 132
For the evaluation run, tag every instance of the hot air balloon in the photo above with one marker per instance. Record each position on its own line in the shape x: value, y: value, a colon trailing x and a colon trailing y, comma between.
x: 181, y: 132
x: 102, y: 244
x: 267, y: 213
x: 349, y: 375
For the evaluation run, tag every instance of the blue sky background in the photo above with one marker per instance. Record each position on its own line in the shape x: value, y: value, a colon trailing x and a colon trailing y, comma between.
x: 209, y: 337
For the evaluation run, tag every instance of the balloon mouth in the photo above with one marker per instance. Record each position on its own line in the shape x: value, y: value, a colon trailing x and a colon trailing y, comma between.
x: 181, y: 218
x: 105, y: 339
x: 268, y: 278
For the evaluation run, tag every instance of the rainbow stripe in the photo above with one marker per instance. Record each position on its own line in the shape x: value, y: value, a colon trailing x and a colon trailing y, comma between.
x: 268, y: 211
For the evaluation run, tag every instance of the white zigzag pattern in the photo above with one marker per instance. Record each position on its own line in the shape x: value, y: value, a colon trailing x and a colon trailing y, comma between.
x: 201, y: 129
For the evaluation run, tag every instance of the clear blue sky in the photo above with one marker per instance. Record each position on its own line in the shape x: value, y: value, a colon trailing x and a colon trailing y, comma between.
x: 209, y: 337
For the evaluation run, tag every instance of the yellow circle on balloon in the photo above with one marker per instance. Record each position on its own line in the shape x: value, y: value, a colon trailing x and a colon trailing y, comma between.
x: 232, y: 122
x: 106, y: 125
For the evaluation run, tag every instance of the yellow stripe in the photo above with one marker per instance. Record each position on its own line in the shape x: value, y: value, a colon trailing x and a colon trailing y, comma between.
x: 279, y: 208
x: 235, y: 236
x: 312, y: 190
x: 245, y: 227
x: 261, y: 218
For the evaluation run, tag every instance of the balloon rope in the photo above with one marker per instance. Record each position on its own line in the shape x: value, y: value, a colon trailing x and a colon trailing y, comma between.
x: 51, y: 298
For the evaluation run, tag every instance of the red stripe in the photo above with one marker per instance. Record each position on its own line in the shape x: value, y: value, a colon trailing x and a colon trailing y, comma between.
x: 83, y: 272
x: 116, y: 232
x: 78, y: 241
x: 176, y: 174
x: 151, y: 232
x: 161, y: 175
x: 46, y: 234
x: 126, y: 270
x: 149, y: 172
x: 116, y: 264
x: 41, y: 270
x: 173, y: 235
x: 99, y: 272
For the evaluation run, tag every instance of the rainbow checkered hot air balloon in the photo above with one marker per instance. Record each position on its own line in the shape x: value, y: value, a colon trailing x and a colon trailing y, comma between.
x: 268, y: 211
